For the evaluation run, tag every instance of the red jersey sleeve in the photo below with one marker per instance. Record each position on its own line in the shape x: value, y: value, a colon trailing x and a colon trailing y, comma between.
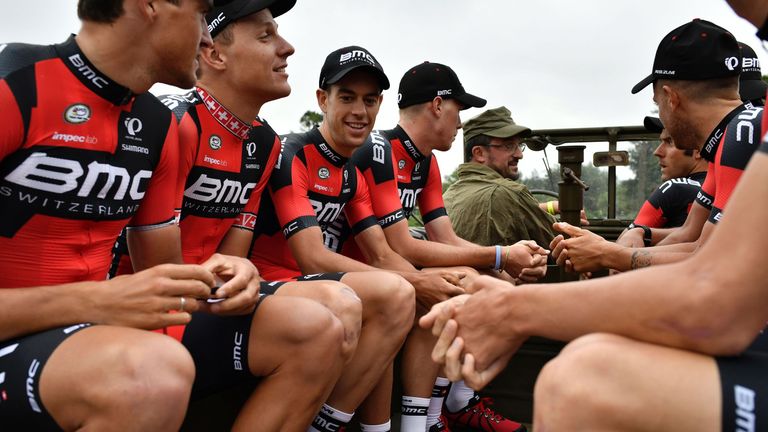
x: 359, y: 210
x: 739, y: 143
x: 431, y: 203
x: 159, y: 202
x: 12, y: 126
x: 289, y: 185
x: 375, y: 161
x: 650, y: 216
x: 188, y: 139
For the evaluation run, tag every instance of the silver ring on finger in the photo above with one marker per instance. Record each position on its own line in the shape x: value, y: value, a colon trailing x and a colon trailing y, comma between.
x: 182, y: 303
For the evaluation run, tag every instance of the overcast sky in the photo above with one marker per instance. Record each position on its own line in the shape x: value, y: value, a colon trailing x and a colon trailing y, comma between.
x: 553, y: 63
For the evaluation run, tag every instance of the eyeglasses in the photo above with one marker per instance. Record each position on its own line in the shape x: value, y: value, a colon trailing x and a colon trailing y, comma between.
x: 509, y: 147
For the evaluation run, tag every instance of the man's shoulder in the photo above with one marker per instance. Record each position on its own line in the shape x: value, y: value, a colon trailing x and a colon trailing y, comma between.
x: 180, y: 104
x: 17, y: 56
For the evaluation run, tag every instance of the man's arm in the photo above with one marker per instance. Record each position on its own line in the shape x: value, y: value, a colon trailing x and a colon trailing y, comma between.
x: 691, y: 229
x: 141, y: 300
x: 709, y: 305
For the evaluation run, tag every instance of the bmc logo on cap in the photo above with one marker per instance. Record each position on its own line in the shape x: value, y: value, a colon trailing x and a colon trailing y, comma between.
x: 216, y: 21
x: 357, y: 54
x: 732, y: 63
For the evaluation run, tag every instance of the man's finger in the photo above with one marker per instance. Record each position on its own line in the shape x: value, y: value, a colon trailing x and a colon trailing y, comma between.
x: 444, y: 341
x: 453, y: 360
x: 567, y: 228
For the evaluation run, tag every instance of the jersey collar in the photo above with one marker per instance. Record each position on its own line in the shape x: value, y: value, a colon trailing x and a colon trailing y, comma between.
x: 222, y: 115
x: 325, y: 149
x: 407, y: 143
x: 86, y: 72
x: 713, y: 141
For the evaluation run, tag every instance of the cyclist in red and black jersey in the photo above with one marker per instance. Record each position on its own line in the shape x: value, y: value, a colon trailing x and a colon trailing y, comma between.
x: 751, y: 91
x: 683, y: 172
x: 727, y: 129
x: 85, y: 151
x: 315, y: 191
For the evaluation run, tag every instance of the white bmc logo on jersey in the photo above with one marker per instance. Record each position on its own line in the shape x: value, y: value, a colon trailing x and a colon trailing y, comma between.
x: 207, y: 189
x: 87, y: 72
x: 77, y: 113
x: 56, y: 175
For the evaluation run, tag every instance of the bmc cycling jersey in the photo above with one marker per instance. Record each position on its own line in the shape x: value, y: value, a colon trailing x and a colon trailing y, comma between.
x: 224, y: 168
x: 668, y: 206
x: 81, y: 157
x: 737, y: 142
x: 311, y: 185
x: 399, y: 177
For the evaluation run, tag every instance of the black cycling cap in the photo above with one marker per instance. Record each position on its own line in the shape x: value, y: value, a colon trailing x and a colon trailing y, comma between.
x: 426, y: 81
x: 225, y: 12
x: 345, y: 60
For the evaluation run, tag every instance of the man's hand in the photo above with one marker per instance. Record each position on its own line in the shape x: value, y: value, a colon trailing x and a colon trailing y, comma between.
x: 584, y: 251
x: 525, y: 254
x: 433, y: 287
x: 144, y: 299
x: 632, y: 238
x: 240, y: 292
x: 471, y: 325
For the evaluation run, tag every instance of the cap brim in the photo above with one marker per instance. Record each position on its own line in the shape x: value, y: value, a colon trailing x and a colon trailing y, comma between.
x: 509, y: 131
x: 653, y: 124
x: 643, y: 84
x: 752, y: 89
x: 469, y: 100
x: 383, y: 80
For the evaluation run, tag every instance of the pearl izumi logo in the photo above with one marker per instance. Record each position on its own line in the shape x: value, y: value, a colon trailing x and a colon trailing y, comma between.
x: 215, y: 142
x: 323, y: 173
x: 77, y: 113
x: 732, y: 63
x: 133, y: 125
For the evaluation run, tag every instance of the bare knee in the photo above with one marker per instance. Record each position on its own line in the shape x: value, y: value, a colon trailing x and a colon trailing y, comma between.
x: 320, y: 337
x: 393, y: 298
x: 575, y: 386
x: 116, y: 376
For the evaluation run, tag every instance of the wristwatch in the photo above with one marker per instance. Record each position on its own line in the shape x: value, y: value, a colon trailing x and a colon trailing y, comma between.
x: 647, y: 235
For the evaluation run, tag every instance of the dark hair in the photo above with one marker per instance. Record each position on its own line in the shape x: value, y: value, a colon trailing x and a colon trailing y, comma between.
x: 102, y: 11
x: 479, y: 140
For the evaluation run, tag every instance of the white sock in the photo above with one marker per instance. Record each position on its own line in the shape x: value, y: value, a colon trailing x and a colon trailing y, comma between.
x: 436, y: 402
x: 459, y: 396
x: 414, y: 414
x: 384, y: 427
x: 329, y: 418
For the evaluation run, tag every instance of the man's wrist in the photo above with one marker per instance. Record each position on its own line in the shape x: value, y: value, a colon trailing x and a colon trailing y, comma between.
x: 615, y: 256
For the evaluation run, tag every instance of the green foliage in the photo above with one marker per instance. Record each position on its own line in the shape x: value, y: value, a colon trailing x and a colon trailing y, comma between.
x: 310, y: 120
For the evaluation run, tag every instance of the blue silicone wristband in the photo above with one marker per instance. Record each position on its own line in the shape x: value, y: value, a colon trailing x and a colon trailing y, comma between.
x: 497, y: 265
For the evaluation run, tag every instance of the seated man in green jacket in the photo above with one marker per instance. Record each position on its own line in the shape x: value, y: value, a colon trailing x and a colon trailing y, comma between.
x: 486, y: 205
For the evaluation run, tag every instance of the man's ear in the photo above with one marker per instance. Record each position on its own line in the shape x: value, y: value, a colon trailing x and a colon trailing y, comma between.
x: 671, y: 97
x: 437, y: 106
x: 478, y: 154
x: 322, y: 99
x: 148, y: 9
x: 213, y: 56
